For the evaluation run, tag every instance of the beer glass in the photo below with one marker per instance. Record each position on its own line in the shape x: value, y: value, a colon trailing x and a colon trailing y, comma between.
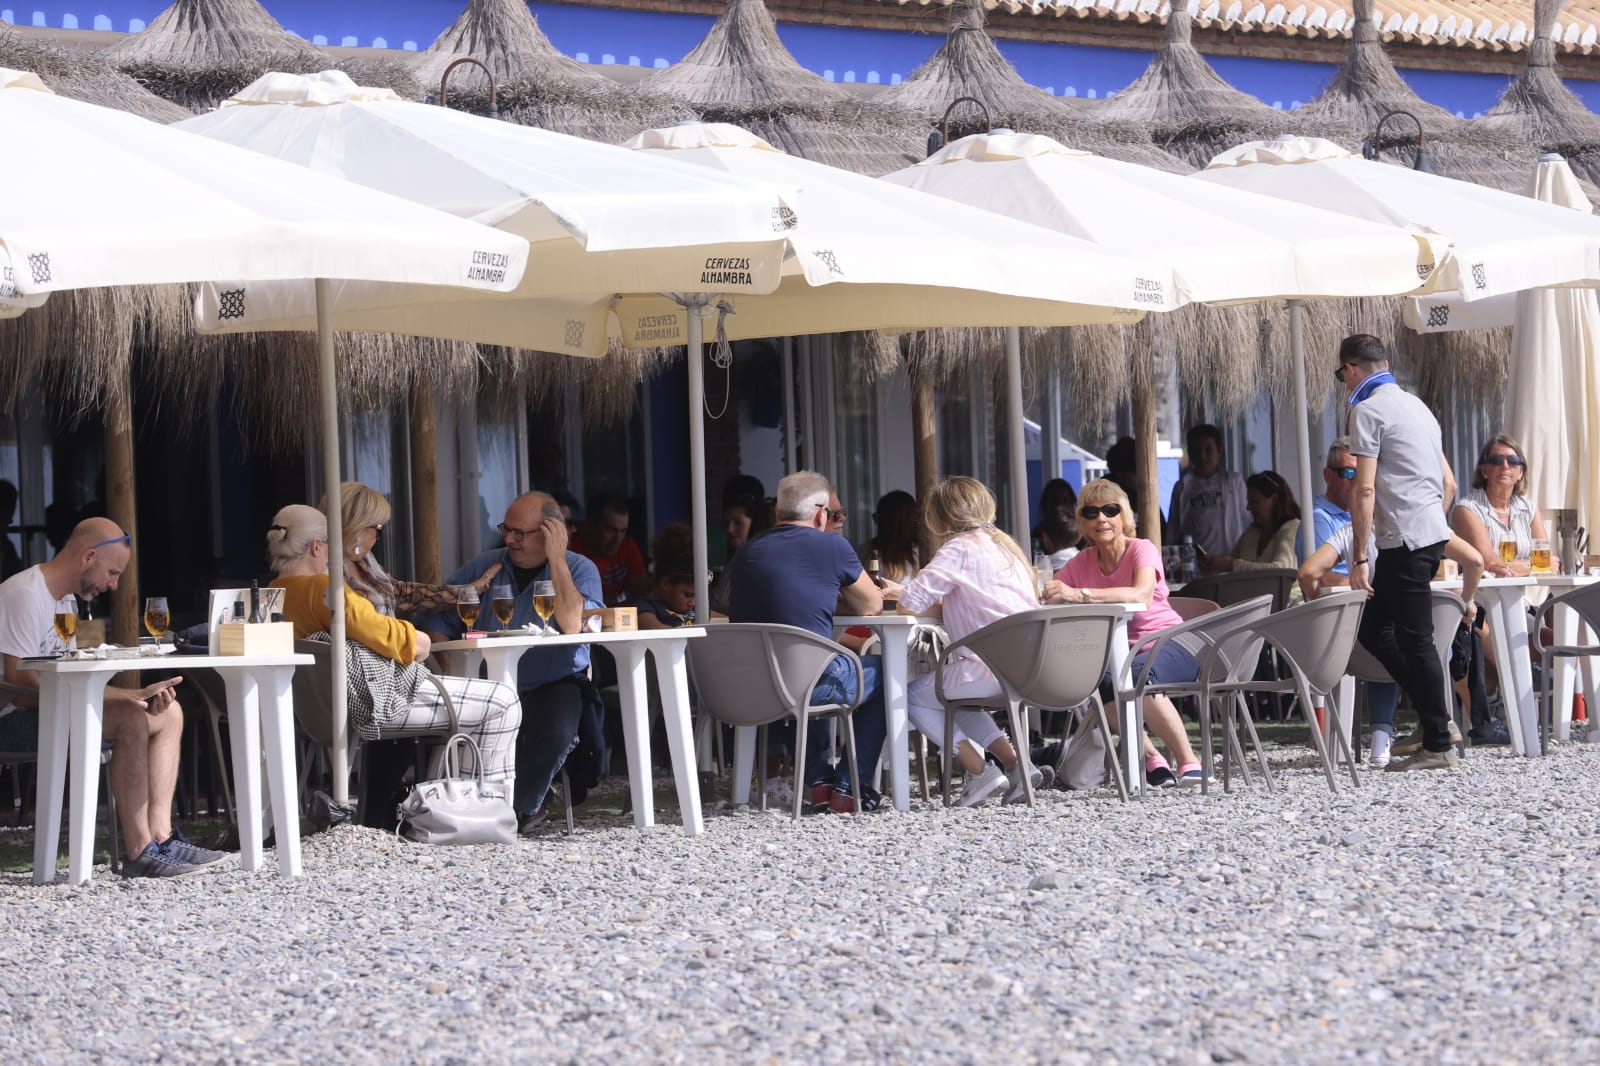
x: 544, y: 604
x: 1508, y: 551
x: 157, y: 619
x: 505, y: 603
x: 1539, y: 559
x: 66, y: 621
x: 467, y: 606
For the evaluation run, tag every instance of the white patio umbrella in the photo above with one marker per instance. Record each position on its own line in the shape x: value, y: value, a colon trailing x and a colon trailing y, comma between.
x: 1224, y: 246
x: 95, y: 197
x: 860, y: 255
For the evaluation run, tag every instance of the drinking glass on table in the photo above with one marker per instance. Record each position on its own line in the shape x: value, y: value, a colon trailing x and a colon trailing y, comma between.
x: 1508, y: 551
x: 544, y: 604
x: 1539, y: 558
x: 157, y: 619
x: 505, y: 603
x: 66, y: 621
x: 467, y: 605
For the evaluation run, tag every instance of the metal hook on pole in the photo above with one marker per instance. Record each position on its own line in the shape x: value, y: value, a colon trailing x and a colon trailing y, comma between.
x: 941, y: 136
x: 444, y: 80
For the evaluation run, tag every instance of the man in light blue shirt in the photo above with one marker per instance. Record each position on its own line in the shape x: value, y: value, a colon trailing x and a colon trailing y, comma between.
x: 553, y: 682
x: 1331, y: 510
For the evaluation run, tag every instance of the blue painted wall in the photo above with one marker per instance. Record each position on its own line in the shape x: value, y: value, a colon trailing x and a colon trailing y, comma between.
x: 652, y: 39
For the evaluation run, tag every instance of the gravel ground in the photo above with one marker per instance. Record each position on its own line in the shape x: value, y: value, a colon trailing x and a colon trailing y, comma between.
x: 1432, y: 917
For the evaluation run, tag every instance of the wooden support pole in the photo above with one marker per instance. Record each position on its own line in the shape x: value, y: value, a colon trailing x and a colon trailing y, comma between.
x: 425, y: 486
x: 121, y: 508
x: 925, y: 444
x: 1144, y: 450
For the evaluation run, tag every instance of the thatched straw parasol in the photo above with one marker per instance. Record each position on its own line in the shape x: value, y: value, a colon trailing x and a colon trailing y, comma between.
x: 85, y: 76
x: 534, y: 83
x: 1366, y: 88
x: 1186, y: 106
x: 197, y: 53
x: 741, y: 73
x: 969, y: 64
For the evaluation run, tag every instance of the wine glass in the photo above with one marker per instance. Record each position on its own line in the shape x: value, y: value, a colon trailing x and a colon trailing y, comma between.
x: 544, y: 604
x: 505, y: 603
x: 467, y: 605
x: 157, y: 619
x: 66, y: 621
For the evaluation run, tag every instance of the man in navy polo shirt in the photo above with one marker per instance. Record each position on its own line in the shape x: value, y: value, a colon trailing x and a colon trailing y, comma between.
x: 796, y: 574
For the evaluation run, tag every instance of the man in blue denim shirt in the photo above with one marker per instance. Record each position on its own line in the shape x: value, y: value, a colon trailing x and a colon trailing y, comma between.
x: 795, y: 574
x: 552, y: 682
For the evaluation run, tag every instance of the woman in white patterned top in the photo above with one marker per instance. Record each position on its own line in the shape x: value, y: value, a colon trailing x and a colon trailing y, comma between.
x: 1498, y: 509
x: 977, y: 575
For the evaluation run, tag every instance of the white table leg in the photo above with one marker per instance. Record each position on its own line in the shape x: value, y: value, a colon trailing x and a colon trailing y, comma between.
x: 277, y: 723
x: 55, y: 713
x: 244, y: 717
x: 635, y: 697
x: 896, y: 650
x: 85, y: 695
x: 744, y: 758
x: 1122, y: 680
x: 673, y: 675
x: 1565, y: 624
x: 1516, y: 670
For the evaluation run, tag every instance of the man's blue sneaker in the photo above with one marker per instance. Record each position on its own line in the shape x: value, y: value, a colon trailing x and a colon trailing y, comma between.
x: 155, y: 861
x: 184, y: 850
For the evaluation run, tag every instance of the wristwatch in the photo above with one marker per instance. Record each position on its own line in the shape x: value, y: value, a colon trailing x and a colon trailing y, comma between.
x: 1358, y: 562
x: 1085, y: 594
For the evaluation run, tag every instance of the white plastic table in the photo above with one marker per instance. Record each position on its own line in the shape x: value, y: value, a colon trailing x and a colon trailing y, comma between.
x: 71, y: 709
x: 1504, y: 598
x: 500, y: 656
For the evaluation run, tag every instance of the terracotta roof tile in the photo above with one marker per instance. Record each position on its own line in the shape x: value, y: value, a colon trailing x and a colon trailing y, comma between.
x: 1497, y: 25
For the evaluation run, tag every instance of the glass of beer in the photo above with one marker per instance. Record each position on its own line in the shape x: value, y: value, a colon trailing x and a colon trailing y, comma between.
x: 544, y: 604
x: 157, y: 619
x: 1508, y: 551
x: 467, y: 605
x: 505, y: 603
x: 1539, y: 559
x: 66, y: 621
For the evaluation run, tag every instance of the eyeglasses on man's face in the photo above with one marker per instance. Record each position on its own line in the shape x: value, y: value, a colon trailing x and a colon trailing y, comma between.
x: 1339, y: 373
x: 513, y: 533
x: 838, y: 516
x: 1344, y: 473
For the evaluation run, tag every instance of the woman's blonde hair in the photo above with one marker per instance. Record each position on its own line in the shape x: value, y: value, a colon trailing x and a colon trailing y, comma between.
x: 964, y: 505
x: 361, y: 507
x: 294, y: 530
x: 1103, y: 491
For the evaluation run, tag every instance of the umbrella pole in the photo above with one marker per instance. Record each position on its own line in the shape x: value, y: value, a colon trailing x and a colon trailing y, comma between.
x: 340, y: 756
x: 1302, y: 424
x: 788, y: 406
x: 697, y: 467
x: 1019, y: 448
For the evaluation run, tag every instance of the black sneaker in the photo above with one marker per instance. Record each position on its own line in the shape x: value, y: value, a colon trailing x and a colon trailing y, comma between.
x: 181, y: 848
x: 155, y: 861
x: 1161, y: 777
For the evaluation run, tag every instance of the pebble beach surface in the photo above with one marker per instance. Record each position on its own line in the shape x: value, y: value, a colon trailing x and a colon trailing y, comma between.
x: 1435, y: 917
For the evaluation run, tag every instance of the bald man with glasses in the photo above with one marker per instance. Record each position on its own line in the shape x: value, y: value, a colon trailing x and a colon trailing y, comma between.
x: 561, y: 709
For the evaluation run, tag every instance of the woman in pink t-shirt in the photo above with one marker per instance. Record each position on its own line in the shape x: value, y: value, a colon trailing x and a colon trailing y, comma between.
x: 1118, y: 567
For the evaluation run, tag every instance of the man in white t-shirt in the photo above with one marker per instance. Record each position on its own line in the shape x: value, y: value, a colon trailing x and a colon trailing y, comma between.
x: 144, y: 726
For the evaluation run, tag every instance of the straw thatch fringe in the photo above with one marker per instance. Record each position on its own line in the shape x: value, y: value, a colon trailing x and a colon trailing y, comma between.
x: 1186, y: 106
x: 85, y: 76
x: 608, y: 387
x: 1366, y: 88
x: 1537, y: 108
x: 197, y: 53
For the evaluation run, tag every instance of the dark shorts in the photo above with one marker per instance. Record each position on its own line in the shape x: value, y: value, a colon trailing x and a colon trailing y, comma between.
x: 19, y: 731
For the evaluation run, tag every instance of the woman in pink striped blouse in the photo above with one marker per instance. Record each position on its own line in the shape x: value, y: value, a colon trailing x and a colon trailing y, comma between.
x: 977, y: 575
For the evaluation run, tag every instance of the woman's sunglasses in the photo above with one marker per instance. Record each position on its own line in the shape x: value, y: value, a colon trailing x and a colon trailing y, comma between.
x: 1503, y: 460
x: 1110, y: 510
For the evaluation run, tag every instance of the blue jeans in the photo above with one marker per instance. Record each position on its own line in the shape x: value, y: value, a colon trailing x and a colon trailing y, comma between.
x: 838, y: 685
x: 1381, y: 699
x: 1173, y: 664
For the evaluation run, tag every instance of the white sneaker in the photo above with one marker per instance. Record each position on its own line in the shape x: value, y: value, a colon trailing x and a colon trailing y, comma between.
x: 779, y: 793
x: 1382, y: 741
x: 1043, y: 777
x: 975, y: 788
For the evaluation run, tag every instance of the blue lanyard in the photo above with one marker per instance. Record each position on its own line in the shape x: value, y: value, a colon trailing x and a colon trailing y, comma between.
x: 1370, y: 385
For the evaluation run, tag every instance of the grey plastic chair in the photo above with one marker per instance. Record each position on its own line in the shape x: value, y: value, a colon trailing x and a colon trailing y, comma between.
x: 1585, y: 602
x: 758, y: 673
x: 1191, y: 607
x: 1313, y: 643
x: 1240, y: 585
x: 1448, y: 610
x: 1217, y: 644
x: 1052, y: 658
